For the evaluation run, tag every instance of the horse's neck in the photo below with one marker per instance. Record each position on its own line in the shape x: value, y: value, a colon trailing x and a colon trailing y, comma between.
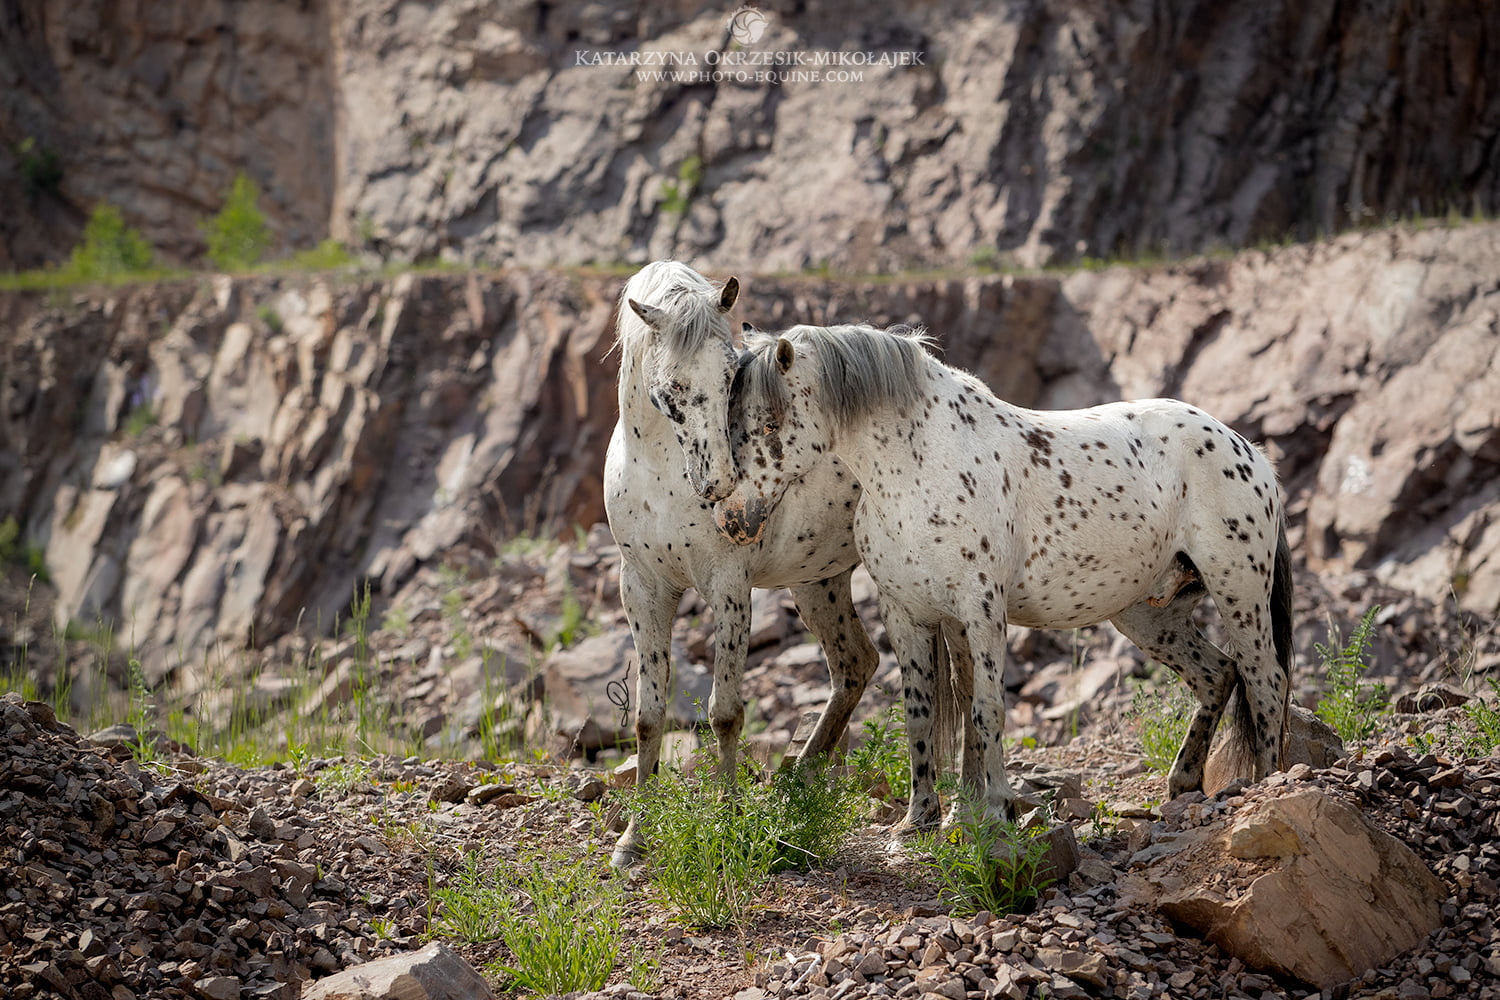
x: 636, y: 410
x: 887, y: 439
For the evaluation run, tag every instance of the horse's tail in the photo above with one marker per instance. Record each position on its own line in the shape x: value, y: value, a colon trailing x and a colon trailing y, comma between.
x: 1236, y: 753
x: 949, y: 708
x: 1281, y: 632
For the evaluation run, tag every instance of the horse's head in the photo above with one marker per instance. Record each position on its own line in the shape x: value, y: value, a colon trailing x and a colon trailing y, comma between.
x: 796, y: 397
x: 689, y: 364
x: 776, y: 435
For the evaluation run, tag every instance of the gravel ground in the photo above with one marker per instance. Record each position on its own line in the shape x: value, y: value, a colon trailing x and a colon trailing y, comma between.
x: 202, y: 879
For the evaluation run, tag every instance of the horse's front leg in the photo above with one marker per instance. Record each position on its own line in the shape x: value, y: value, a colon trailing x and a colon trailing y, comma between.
x: 915, y: 646
x: 730, y: 598
x: 828, y: 610
x: 987, y: 717
x: 650, y: 607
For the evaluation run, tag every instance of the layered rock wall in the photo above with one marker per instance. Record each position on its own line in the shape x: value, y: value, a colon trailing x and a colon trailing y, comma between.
x: 210, y: 460
x: 214, y: 461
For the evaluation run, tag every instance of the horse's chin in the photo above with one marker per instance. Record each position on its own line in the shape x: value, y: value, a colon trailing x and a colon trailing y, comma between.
x: 739, y: 520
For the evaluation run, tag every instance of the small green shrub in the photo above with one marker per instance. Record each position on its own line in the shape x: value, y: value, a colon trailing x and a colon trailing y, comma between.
x: 1162, y: 717
x: 883, y: 757
x: 238, y: 236
x: 110, y: 248
x: 810, y: 813
x: 985, y: 864
x: 711, y: 853
x: 1353, y: 706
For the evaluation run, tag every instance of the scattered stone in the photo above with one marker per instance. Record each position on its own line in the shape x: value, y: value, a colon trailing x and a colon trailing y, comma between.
x: 434, y: 973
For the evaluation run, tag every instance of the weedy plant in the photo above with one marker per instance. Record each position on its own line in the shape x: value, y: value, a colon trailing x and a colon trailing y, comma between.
x: 710, y: 854
x: 985, y: 864
x: 883, y: 756
x: 338, y: 780
x: 469, y: 907
x: 1486, y: 720
x: 1162, y: 714
x: 558, y: 914
x: 1353, y: 706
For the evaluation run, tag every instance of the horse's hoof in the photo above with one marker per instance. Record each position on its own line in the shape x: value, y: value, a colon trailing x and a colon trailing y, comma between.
x: 908, y: 829
x: 626, y: 856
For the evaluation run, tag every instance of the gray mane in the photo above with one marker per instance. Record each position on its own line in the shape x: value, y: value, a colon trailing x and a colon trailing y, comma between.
x: 858, y: 369
x: 690, y: 300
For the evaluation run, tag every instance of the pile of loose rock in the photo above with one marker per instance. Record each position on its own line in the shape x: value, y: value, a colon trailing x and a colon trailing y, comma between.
x: 119, y: 883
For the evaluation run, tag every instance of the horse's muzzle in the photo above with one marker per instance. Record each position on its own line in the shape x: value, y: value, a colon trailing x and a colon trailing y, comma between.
x: 741, y: 521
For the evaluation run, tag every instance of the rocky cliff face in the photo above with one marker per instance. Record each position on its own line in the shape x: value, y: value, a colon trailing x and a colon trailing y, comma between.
x: 208, y: 461
x: 521, y: 132
x: 212, y: 461
x: 154, y: 106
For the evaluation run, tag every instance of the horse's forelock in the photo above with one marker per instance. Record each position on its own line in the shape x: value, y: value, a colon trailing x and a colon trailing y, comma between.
x: 688, y: 298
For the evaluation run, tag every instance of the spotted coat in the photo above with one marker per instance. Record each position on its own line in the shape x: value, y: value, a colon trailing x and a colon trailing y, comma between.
x: 977, y: 514
x: 674, y: 412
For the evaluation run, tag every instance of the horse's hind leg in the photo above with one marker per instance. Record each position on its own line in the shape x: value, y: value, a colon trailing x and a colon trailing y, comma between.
x: 1167, y: 634
x: 1253, y: 738
x: 828, y: 610
x: 650, y: 607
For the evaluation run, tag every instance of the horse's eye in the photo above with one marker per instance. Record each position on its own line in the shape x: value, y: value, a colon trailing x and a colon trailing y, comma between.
x: 768, y: 429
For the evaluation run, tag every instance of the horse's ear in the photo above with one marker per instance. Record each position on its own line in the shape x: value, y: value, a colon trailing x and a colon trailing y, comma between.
x: 729, y: 294
x: 650, y: 315
x: 785, y: 355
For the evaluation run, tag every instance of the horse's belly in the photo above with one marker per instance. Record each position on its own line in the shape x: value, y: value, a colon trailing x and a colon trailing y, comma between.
x: 1056, y: 595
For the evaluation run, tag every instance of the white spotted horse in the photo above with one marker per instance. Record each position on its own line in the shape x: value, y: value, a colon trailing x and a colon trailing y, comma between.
x: 977, y: 514
x: 669, y: 459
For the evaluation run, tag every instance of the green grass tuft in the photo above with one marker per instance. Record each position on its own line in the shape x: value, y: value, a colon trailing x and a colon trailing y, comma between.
x: 1351, y: 705
x: 1162, y: 717
x: 710, y: 853
x: 985, y: 864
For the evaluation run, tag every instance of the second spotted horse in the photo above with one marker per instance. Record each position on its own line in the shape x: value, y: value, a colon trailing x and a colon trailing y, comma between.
x: 977, y: 514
